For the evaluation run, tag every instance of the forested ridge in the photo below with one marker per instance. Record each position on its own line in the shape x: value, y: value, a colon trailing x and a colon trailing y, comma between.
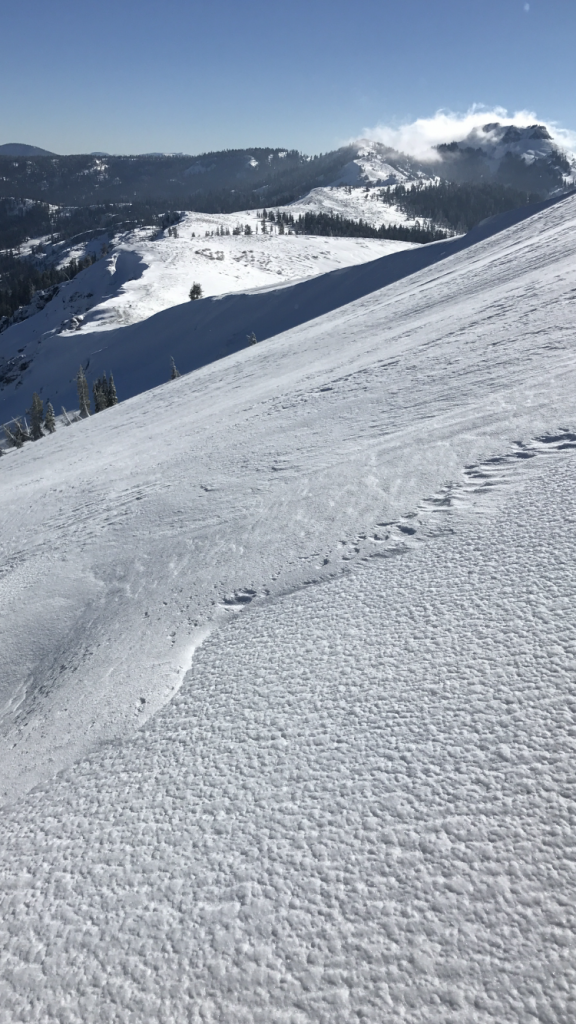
x: 457, y: 207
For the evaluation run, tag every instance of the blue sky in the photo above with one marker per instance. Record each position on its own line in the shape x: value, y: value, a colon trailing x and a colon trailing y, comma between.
x: 130, y: 77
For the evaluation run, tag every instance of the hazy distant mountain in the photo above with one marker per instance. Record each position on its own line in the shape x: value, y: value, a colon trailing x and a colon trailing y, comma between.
x: 20, y: 149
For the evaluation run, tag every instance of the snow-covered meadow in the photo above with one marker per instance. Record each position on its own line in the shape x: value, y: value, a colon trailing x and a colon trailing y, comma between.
x: 288, y: 670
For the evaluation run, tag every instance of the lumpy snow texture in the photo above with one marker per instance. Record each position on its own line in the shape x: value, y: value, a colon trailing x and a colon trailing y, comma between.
x: 359, y: 807
x: 297, y: 633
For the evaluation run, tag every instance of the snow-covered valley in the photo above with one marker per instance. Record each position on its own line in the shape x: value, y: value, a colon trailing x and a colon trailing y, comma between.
x: 287, y: 691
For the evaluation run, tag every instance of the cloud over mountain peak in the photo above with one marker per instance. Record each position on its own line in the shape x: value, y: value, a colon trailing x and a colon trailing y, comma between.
x: 420, y: 138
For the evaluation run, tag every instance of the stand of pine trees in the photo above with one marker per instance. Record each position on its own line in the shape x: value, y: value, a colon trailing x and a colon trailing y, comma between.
x: 20, y: 279
x: 104, y: 393
x: 457, y: 207
x: 332, y: 224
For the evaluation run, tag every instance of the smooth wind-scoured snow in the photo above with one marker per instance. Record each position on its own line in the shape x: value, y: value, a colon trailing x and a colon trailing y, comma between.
x: 331, y: 578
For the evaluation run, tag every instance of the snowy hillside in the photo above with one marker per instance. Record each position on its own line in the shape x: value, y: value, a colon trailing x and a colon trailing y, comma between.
x: 142, y: 275
x: 531, y: 145
x: 297, y: 630
x: 354, y: 204
x: 522, y: 157
x: 164, y: 268
x: 376, y: 164
x: 43, y: 352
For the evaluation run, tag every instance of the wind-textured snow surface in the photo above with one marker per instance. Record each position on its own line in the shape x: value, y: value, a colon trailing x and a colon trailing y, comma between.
x: 343, y: 561
x: 360, y: 807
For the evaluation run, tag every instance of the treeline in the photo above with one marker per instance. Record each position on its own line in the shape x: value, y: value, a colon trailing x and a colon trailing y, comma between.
x: 457, y: 207
x: 20, y: 279
x: 335, y: 225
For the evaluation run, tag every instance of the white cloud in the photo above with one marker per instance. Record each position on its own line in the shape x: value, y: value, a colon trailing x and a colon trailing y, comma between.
x: 526, y: 7
x: 420, y: 137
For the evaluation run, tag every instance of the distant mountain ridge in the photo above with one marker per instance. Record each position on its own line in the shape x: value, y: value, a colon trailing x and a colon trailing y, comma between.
x: 20, y: 149
x: 525, y: 158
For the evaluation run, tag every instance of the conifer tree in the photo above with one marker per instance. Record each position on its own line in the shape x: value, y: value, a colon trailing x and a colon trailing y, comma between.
x: 49, y: 420
x: 36, y: 412
x: 175, y: 371
x: 195, y: 291
x: 83, y: 393
x: 252, y: 338
x: 112, y: 396
x: 100, y: 391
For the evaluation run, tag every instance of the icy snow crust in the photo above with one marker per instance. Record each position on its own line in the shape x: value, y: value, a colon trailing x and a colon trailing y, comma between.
x: 356, y: 804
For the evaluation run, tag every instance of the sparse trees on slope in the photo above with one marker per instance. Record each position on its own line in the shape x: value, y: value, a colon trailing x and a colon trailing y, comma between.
x: 12, y: 436
x: 195, y: 291
x: 175, y: 371
x: 83, y: 393
x: 252, y: 338
x: 17, y: 433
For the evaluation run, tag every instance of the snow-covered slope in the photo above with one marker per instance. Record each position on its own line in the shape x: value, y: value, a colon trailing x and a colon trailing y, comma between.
x: 142, y: 275
x: 376, y: 164
x: 353, y: 203
x: 40, y: 357
x: 222, y: 264
x: 532, y: 145
x: 355, y: 803
x: 524, y: 157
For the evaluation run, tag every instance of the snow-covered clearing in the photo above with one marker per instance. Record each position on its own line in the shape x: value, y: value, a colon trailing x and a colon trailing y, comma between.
x: 143, y: 275
x: 352, y: 801
x: 353, y: 204
x: 222, y: 264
